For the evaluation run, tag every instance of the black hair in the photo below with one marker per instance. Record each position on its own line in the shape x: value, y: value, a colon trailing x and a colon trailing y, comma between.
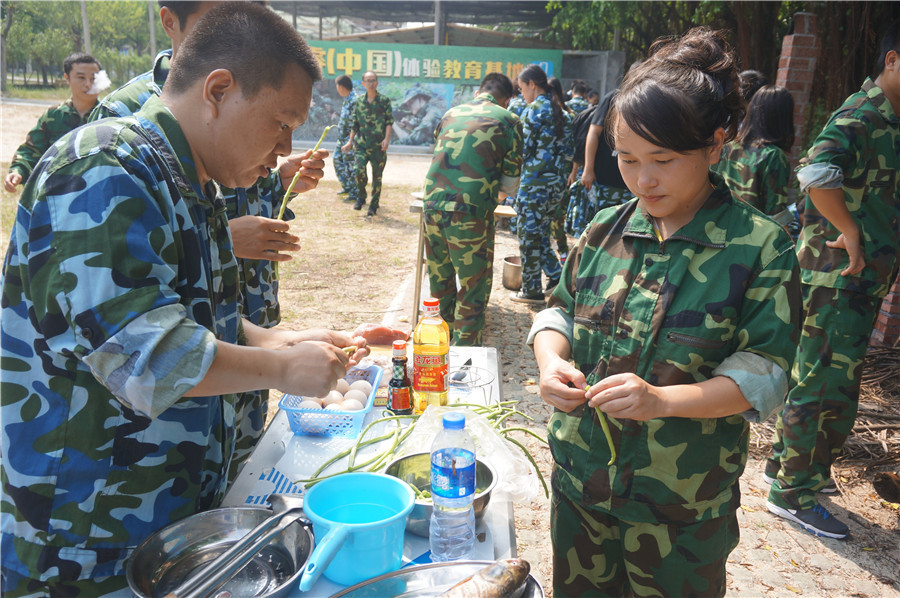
x: 769, y: 120
x: 556, y: 92
x: 591, y: 93
x: 181, y: 8
x: 249, y: 40
x: 890, y: 41
x: 498, y: 85
x: 751, y: 81
x: 579, y: 88
x: 79, y: 58
x: 344, y: 81
x: 682, y: 93
x: 535, y: 74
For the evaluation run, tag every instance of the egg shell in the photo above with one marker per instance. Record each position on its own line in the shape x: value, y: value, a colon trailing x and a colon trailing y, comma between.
x: 310, y: 404
x: 351, y: 405
x: 361, y: 385
x: 342, y: 386
x: 332, y: 397
x: 334, y: 407
x: 356, y: 395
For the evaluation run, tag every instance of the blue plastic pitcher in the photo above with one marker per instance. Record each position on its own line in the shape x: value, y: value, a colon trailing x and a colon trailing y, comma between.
x: 359, y: 520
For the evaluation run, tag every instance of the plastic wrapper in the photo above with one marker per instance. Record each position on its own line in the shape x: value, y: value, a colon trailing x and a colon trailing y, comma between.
x: 517, y: 480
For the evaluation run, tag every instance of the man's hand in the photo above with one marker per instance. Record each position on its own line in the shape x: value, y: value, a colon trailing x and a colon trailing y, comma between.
x: 385, y: 143
x: 854, y: 253
x: 11, y: 181
x: 258, y: 238
x: 311, y: 167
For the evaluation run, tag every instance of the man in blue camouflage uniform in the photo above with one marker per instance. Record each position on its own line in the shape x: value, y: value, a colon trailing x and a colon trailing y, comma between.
x: 79, y: 71
x: 370, y: 136
x: 120, y: 311
x: 848, y: 252
x: 343, y: 161
x: 258, y: 238
x: 578, y: 103
x: 477, y: 160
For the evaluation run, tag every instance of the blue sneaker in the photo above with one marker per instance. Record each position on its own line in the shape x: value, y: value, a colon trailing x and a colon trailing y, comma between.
x: 815, y: 519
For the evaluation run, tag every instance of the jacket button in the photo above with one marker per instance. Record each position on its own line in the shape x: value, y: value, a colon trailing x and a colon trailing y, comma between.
x: 648, y: 262
x: 87, y: 333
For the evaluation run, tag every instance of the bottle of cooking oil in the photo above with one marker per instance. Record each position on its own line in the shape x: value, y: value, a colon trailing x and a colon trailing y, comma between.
x: 431, y: 357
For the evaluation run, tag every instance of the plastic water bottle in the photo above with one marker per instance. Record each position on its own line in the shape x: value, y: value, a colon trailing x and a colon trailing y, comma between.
x: 452, y: 528
x: 431, y: 358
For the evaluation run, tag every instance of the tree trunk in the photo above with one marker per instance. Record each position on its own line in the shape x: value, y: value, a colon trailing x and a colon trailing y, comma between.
x: 10, y: 10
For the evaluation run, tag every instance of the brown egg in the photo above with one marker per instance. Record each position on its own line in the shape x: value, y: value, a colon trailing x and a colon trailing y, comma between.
x: 342, y: 386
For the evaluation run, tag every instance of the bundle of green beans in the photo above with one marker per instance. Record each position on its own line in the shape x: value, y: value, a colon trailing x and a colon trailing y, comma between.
x: 496, y: 414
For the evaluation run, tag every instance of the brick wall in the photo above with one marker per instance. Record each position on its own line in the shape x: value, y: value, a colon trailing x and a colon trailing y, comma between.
x: 887, y: 324
x: 799, y: 52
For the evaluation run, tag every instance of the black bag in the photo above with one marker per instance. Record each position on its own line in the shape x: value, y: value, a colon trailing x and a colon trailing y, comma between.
x: 580, y: 127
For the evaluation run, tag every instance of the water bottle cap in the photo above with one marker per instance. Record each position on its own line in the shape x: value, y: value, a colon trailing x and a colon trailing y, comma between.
x: 454, y: 421
x: 399, y: 348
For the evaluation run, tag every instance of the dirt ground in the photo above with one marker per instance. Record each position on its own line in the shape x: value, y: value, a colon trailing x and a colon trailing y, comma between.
x: 350, y: 271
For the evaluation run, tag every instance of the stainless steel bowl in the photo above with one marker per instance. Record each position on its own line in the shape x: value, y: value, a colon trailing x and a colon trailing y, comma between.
x: 416, y: 470
x: 169, y: 556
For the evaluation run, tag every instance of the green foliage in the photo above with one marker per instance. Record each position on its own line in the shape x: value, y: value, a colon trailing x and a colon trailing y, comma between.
x: 42, y: 34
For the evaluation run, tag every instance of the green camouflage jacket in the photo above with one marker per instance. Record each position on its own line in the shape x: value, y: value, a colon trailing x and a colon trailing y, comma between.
x: 477, y: 153
x: 118, y: 281
x: 259, y: 278
x: 759, y: 176
x: 52, y: 124
x: 718, y: 295
x: 860, y: 144
x: 370, y: 121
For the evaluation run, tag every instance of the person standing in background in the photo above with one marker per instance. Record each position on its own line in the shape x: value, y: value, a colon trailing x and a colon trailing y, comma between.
x: 79, y: 72
x: 544, y: 145
x: 477, y: 162
x: 343, y: 161
x: 755, y: 165
x: 848, y: 251
x: 578, y: 102
x: 370, y: 136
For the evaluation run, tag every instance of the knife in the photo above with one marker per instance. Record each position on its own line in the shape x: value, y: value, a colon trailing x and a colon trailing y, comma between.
x: 463, y: 371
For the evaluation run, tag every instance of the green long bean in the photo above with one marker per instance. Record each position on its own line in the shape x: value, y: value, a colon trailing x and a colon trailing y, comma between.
x: 604, y: 425
x: 290, y: 188
x: 533, y: 464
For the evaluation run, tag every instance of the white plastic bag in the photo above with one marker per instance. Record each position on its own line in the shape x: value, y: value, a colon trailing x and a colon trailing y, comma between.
x: 517, y: 480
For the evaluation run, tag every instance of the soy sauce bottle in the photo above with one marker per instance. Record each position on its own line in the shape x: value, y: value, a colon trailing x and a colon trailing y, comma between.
x: 399, y: 388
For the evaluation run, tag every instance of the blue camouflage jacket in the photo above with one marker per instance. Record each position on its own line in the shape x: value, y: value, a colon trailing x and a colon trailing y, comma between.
x: 118, y: 281
x: 545, y: 154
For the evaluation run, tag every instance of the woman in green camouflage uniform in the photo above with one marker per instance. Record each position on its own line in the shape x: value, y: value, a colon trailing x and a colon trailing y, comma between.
x: 679, y: 329
x: 755, y: 165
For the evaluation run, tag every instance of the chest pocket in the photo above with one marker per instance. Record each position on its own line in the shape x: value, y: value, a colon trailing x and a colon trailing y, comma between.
x: 594, y: 317
x: 692, y: 353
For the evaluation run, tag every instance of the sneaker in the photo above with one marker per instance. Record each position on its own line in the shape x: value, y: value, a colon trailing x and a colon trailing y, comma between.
x: 371, y: 212
x: 829, y: 488
x: 551, y: 285
x: 358, y: 205
x: 342, y: 192
x: 815, y: 519
x: 520, y: 297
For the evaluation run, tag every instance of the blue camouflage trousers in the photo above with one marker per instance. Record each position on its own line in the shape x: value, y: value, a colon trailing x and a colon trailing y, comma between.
x: 584, y: 205
x: 535, y: 208
x: 343, y: 168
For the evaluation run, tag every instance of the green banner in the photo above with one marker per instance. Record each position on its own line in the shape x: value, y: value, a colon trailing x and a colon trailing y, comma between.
x: 422, y: 81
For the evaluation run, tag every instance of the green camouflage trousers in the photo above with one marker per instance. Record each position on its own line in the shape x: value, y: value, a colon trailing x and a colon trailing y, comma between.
x: 378, y: 159
x: 821, y: 406
x: 460, y: 246
x: 596, y: 554
x: 558, y: 224
x: 16, y: 586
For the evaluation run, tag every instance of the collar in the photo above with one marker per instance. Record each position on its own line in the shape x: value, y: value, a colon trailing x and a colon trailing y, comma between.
x: 161, y: 67
x: 484, y: 97
x: 879, y: 100
x: 699, y: 230
x: 154, y: 115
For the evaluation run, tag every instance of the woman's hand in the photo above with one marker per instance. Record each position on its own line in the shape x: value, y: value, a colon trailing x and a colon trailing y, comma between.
x: 562, y: 384
x: 626, y: 396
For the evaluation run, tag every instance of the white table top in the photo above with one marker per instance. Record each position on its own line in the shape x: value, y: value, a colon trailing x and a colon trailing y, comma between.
x: 281, y: 458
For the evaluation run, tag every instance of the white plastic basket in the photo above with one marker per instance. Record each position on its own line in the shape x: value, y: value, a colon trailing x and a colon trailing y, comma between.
x: 322, y: 422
